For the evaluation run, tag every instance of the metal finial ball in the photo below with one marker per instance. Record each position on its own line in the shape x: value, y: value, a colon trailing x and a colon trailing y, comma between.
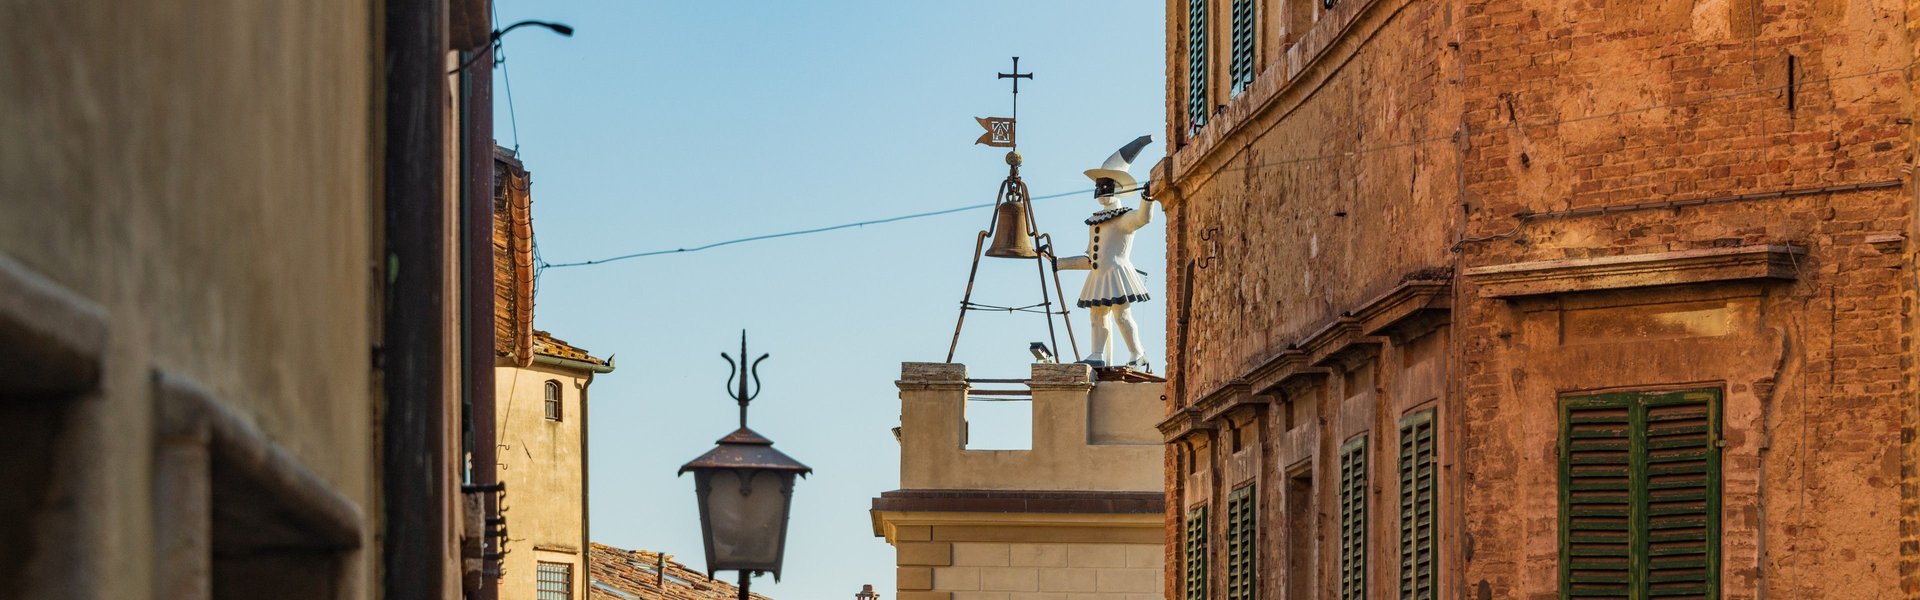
x: 1013, y: 158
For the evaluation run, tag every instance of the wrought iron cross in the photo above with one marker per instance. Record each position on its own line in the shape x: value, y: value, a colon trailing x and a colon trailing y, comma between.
x: 1016, y: 76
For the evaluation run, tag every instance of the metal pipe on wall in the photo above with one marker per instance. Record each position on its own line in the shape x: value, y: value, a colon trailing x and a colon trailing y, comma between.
x: 477, y: 327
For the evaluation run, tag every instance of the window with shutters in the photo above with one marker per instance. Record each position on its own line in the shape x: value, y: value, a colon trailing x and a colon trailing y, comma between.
x: 1196, y: 63
x: 1240, y: 67
x: 1196, y: 553
x: 1640, y: 495
x: 1419, y: 496
x: 1241, y: 544
x: 1353, y: 519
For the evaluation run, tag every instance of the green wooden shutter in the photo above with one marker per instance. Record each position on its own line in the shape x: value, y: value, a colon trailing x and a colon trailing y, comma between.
x: 1241, y: 544
x: 1419, y: 499
x: 1682, y: 494
x: 1196, y: 550
x: 1240, y: 69
x: 1353, y: 519
x: 1196, y: 62
x: 1640, y: 495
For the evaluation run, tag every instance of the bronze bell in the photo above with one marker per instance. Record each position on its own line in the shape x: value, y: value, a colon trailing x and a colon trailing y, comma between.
x: 1010, y: 239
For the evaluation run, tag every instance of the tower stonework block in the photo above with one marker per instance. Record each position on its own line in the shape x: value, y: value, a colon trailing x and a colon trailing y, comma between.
x: 1090, y: 486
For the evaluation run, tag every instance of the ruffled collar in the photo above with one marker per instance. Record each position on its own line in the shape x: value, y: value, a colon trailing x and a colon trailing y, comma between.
x: 1108, y: 215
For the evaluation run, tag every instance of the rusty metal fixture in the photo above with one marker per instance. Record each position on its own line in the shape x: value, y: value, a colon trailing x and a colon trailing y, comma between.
x: 1014, y: 233
x: 1010, y: 239
x: 745, y: 489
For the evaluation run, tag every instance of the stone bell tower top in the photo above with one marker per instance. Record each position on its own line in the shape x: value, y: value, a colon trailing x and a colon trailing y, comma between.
x: 1087, y: 436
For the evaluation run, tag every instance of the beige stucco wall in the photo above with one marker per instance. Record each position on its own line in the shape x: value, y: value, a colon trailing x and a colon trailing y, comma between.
x: 1085, y: 437
x: 203, y: 172
x: 1034, y: 571
x: 1061, y: 521
x: 542, y: 463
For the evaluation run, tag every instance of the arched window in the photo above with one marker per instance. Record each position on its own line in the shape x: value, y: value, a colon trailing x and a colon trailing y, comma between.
x: 553, y: 400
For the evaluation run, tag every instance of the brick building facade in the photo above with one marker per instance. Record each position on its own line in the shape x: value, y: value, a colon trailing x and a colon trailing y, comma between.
x: 1534, y: 299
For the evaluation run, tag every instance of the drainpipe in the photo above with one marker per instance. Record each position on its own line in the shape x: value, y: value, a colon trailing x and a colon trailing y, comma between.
x: 481, y: 435
x: 585, y: 576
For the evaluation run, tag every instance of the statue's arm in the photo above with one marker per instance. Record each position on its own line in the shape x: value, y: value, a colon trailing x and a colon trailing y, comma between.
x: 1073, y: 263
x: 1135, y: 219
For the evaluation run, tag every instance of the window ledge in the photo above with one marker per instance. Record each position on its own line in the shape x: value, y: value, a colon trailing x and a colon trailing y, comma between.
x: 1707, y: 265
x: 50, y: 331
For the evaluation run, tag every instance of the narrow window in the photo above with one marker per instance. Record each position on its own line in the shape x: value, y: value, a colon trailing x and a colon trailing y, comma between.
x: 1240, y: 69
x: 1196, y: 63
x: 1196, y: 551
x: 1300, y: 535
x: 553, y: 400
x: 1241, y: 544
x: 1419, y: 497
x: 1640, y: 495
x: 1353, y: 519
x: 555, y: 582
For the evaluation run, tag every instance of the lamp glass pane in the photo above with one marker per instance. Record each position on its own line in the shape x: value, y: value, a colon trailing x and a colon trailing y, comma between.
x: 747, y: 527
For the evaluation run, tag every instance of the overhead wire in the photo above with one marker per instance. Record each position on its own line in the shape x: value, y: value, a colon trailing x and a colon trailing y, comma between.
x: 769, y: 236
x: 1449, y: 137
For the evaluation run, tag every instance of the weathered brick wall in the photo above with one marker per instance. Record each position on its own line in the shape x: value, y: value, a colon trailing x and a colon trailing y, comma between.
x: 1630, y: 103
x: 1295, y: 229
x: 1910, y: 464
x: 1348, y: 177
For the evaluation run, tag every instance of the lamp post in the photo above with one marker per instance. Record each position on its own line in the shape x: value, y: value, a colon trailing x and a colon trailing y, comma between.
x: 866, y: 593
x: 745, y: 489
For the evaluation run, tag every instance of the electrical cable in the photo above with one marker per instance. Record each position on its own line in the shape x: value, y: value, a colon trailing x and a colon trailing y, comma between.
x: 1551, y: 122
x: 799, y: 232
x: 500, y: 60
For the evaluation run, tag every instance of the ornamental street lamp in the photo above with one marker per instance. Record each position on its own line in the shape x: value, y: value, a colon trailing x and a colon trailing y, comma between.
x: 745, y: 488
x: 866, y: 593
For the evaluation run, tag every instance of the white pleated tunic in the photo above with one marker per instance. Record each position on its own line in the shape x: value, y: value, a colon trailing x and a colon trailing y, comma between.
x: 1113, y: 280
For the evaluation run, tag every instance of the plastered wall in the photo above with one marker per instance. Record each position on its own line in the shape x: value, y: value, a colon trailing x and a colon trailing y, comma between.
x: 541, y: 461
x: 203, y: 172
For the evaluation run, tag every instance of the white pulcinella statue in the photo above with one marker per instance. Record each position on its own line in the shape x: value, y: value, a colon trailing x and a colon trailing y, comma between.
x: 1114, y: 285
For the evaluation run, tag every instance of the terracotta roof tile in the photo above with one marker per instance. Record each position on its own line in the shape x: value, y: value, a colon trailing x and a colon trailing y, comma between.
x: 512, y: 258
x: 545, y: 343
x: 618, y: 574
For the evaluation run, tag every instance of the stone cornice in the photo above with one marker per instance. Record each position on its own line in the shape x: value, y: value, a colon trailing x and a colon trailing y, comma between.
x: 1233, y: 396
x: 1413, y: 307
x: 1182, y: 423
x: 1022, y: 501
x: 1408, y: 310
x: 1706, y: 265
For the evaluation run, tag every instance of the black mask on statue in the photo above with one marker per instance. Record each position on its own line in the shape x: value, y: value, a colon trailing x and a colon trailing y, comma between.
x: 1103, y: 187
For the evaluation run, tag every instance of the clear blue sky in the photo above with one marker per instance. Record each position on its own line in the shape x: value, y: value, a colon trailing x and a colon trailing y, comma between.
x: 673, y: 124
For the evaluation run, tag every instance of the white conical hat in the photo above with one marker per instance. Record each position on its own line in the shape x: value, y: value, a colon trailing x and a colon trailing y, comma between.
x: 1116, y: 166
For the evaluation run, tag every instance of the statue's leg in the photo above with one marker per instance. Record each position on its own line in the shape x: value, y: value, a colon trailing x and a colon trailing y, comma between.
x: 1130, y: 335
x: 1102, y: 327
